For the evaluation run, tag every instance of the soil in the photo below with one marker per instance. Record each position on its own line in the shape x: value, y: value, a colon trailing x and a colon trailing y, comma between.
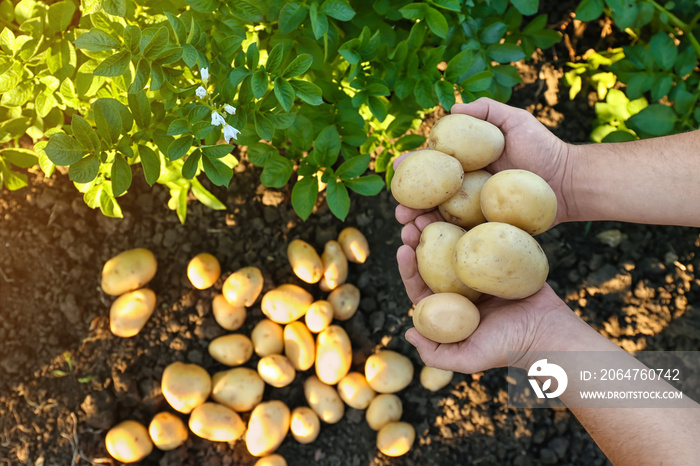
x: 639, y: 292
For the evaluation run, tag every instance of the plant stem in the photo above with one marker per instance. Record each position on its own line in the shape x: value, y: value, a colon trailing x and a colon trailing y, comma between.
x: 676, y: 21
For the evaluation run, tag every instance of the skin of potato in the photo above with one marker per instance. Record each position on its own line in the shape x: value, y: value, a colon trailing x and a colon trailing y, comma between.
x: 396, y: 438
x: 473, y: 142
x: 446, y: 317
x: 464, y: 208
x: 305, y: 261
x: 240, y: 388
x: 388, y: 371
x: 267, y: 427
x: 216, y: 423
x: 127, y: 271
x: 426, y: 179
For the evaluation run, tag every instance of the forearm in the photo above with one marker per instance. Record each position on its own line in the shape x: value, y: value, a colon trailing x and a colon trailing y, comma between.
x: 653, y: 181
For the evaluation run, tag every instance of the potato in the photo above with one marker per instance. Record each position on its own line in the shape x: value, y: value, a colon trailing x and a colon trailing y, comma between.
x: 267, y: 427
x: 299, y: 346
x: 319, y: 316
x: 333, y: 355
x: 276, y: 370
x: 203, y: 270
x: 185, y: 386
x: 434, y: 379
x: 446, y: 317
x: 324, y: 400
x: 345, y: 300
x: 271, y: 460
x: 240, y: 388
x: 130, y: 312
x: 267, y: 337
x: 231, y: 350
x: 501, y: 260
x: 128, y: 271
x: 355, y: 391
x: 227, y: 316
x: 167, y: 431
x: 216, y: 423
x: 286, y: 303
x: 243, y: 286
x: 396, y: 438
x: 388, y: 371
x: 335, y: 266
x: 426, y: 178
x: 464, y: 208
x: 434, y: 256
x: 474, y: 142
x: 305, y: 425
x: 383, y: 408
x: 354, y: 244
x: 305, y: 261
x: 520, y: 198
x: 128, y: 442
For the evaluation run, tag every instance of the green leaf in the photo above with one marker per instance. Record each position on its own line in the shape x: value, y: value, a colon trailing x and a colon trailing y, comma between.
x: 353, y: 167
x: 263, y: 126
x: 274, y: 58
x: 178, y: 126
x: 307, y: 91
x: 13, y: 181
x: 662, y: 86
x: 83, y: 132
x: 493, y: 32
x: 157, y: 43
x: 423, y: 93
x: 90, y: 6
x: 319, y: 21
x: 276, y: 171
x: 85, y: 170
x: 205, y: 197
x: 140, y: 108
x: 369, y: 185
x: 304, y: 194
x: 685, y: 64
x: 259, y: 153
x: 19, y: 157
x: 446, y: 94
x: 217, y: 171
x: 143, y: 73
x: 96, y: 40
x: 284, y: 93
x: 655, y: 120
x: 452, y: 5
x: 504, y: 53
x: 437, y: 22
x: 338, y: 9
x: 202, y: 129
x: 178, y: 27
x: 217, y: 151
x: 60, y: 15
x: 589, y: 10
x: 414, y: 11
x: 291, y: 16
x: 179, y: 147
x: 150, y: 162
x: 64, y: 150
x: 298, y: 66
x: 62, y: 59
x: 259, y: 83
x: 379, y: 107
x: 132, y: 38
x: 506, y: 75
x: 458, y: 65
x: 114, y: 7
x: 409, y: 142
x: 282, y: 120
x: 114, y: 65
x: 478, y: 82
x: 338, y: 199
x: 664, y: 50
x: 526, y: 7
x: 327, y: 146
x: 108, y: 121
x: 203, y: 6
x: 189, y: 168
x: 237, y: 75
x: 198, y: 113
x: 121, y: 175
x: 253, y: 56
x: 619, y: 136
x: 189, y: 55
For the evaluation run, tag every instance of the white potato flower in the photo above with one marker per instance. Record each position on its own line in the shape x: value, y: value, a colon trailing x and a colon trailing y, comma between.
x: 201, y: 92
x: 217, y: 119
x: 204, y: 72
x: 230, y: 109
x: 230, y: 133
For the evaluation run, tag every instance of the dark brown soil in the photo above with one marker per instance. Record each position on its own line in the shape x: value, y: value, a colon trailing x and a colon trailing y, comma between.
x: 639, y: 293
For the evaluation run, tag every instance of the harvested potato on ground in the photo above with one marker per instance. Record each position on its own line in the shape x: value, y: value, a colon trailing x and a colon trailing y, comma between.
x: 128, y: 271
x: 426, y: 178
x: 268, y: 338
x: 305, y: 261
x: 128, y: 442
x: 520, y: 198
x: 286, y: 303
x: 434, y: 256
x: 243, y: 286
x: 319, y: 316
x: 167, y: 431
x: 227, y: 316
x: 383, y: 409
x: 276, y: 370
x: 355, y: 391
x: 203, y: 270
x: 231, y: 350
x: 299, y: 345
x: 345, y: 300
x: 305, y: 425
x: 271, y: 460
x: 388, y: 371
x: 354, y: 244
x: 464, y: 208
x: 185, y: 386
x: 324, y: 400
x: 333, y: 355
x: 130, y: 312
x: 216, y: 423
x: 474, y: 142
x: 267, y: 427
x: 501, y: 260
x: 240, y: 388
x: 396, y: 438
x: 446, y: 317
x: 435, y: 379
x: 335, y: 266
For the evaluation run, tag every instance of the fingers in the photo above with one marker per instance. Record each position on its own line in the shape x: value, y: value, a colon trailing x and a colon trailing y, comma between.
x: 410, y: 235
x: 406, y: 215
x: 398, y: 159
x: 416, y: 289
x: 441, y: 356
x: 494, y: 112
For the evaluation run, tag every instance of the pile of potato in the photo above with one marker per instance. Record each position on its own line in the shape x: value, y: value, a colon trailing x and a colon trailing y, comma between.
x: 485, y: 245
x: 297, y: 334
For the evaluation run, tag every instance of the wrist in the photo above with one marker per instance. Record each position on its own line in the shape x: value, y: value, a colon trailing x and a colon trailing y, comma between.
x: 573, y: 159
